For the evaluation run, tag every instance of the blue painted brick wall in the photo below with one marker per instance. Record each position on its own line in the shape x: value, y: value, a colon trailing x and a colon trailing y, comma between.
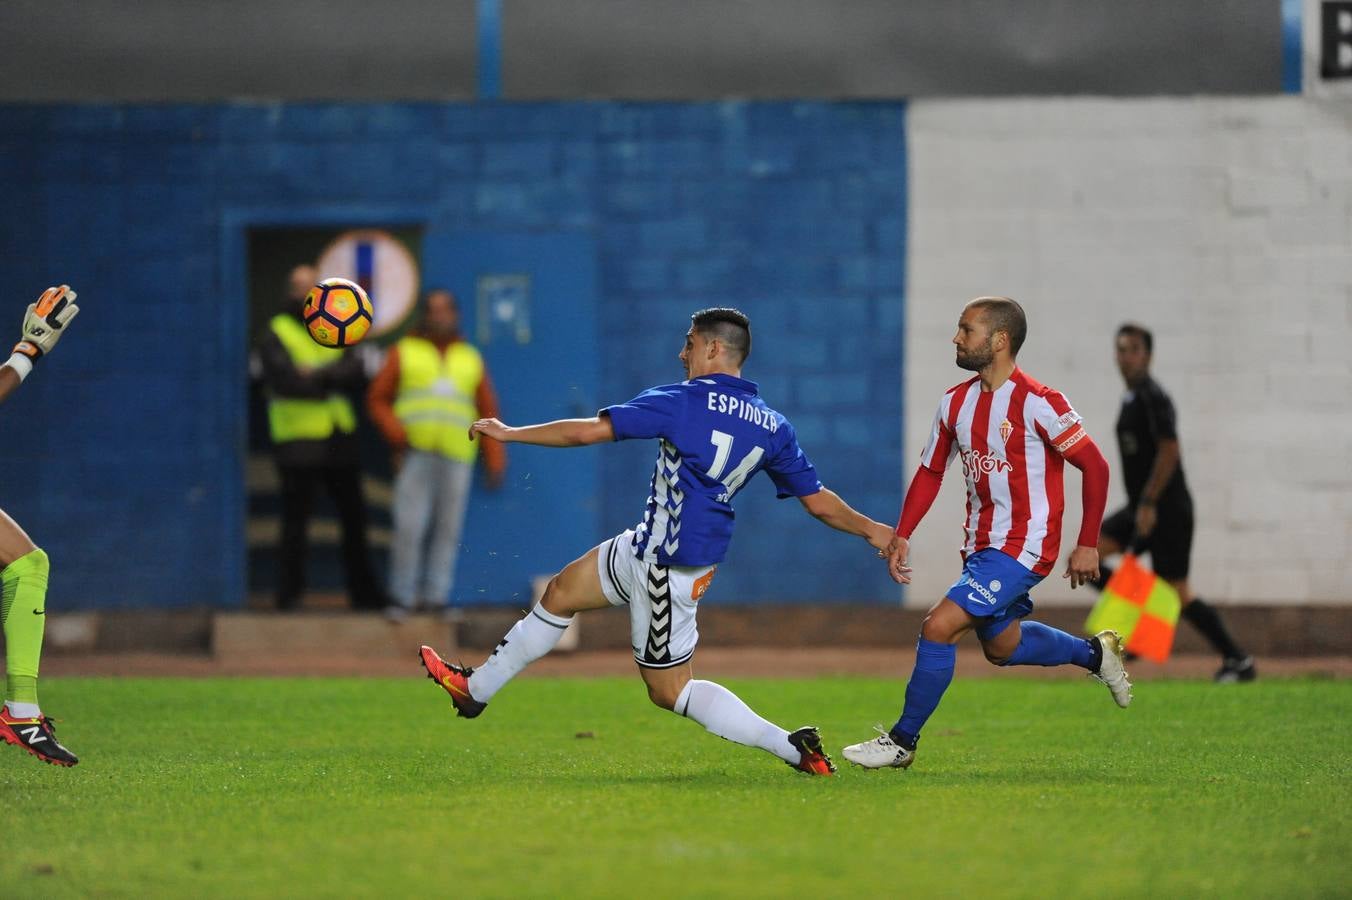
x: 125, y: 450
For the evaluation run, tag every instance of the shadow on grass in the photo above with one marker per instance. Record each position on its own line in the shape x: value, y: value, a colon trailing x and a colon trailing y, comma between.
x: 1048, y: 778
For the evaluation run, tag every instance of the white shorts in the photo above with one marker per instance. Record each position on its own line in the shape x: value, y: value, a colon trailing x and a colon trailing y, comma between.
x: 661, y: 601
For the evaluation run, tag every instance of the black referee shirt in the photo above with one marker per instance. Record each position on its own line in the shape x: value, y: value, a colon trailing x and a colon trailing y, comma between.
x: 1147, y: 417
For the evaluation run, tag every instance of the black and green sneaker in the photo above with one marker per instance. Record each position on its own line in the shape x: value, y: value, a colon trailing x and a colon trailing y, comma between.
x: 814, y: 761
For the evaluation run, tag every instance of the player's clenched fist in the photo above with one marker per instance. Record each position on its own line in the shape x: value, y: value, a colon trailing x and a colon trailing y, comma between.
x: 46, y: 320
x: 492, y: 428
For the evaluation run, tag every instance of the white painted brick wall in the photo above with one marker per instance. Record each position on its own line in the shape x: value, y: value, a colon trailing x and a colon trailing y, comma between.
x: 1224, y: 225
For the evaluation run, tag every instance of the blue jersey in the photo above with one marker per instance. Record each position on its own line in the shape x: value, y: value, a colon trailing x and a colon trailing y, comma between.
x: 715, y: 433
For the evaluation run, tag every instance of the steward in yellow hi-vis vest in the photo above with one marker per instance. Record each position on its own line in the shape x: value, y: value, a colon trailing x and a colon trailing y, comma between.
x: 307, y: 418
x: 313, y: 426
x: 432, y: 387
x: 436, y: 397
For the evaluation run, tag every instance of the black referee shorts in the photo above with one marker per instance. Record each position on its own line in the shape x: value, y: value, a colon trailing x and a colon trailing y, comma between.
x: 1169, y: 545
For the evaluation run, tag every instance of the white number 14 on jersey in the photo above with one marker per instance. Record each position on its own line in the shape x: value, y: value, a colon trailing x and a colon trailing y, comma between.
x: 723, y: 441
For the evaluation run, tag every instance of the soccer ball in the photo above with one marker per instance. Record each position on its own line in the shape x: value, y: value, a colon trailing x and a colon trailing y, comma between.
x: 337, y: 312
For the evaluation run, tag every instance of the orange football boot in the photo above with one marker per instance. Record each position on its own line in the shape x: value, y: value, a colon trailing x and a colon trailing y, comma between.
x: 814, y: 760
x: 455, y: 679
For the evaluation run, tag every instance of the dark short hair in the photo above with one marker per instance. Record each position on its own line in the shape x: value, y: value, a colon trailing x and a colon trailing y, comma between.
x: 1004, y: 314
x: 723, y: 323
x: 1139, y: 331
x: 438, y: 289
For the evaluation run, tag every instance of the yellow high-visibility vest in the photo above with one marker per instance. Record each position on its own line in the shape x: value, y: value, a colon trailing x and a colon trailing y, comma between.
x: 299, y: 419
x: 436, y: 395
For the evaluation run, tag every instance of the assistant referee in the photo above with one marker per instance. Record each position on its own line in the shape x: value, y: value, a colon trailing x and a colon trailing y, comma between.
x: 1158, y: 515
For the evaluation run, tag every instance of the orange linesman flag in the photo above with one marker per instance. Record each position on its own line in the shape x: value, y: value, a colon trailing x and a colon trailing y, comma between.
x: 1141, y: 607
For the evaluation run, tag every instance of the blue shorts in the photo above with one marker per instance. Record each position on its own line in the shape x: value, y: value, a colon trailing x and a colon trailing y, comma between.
x: 994, y: 590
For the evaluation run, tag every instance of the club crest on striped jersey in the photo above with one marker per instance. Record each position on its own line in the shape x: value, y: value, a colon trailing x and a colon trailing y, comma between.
x: 1006, y: 430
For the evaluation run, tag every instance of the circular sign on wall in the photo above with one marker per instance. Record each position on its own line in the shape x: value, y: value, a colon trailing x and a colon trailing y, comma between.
x: 382, y: 266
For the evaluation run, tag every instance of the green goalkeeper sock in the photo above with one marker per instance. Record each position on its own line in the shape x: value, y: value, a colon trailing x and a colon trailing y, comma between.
x: 23, y: 608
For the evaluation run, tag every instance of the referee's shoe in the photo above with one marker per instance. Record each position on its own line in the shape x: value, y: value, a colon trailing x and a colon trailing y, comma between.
x: 37, y: 736
x: 1233, y: 671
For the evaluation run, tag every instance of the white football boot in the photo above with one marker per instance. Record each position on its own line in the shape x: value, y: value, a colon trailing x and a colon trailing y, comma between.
x: 1111, y: 671
x: 880, y: 753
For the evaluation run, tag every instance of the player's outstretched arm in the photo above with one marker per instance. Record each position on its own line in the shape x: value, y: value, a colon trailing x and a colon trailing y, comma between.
x: 560, y: 433
x: 827, y: 507
x: 43, y: 324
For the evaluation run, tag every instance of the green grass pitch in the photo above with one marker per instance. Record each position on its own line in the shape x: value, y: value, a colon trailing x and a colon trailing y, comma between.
x: 371, y: 787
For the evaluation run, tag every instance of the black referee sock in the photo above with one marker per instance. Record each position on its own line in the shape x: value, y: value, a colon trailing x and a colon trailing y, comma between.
x: 1206, y: 620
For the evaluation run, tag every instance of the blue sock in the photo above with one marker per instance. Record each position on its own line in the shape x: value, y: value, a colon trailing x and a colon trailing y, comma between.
x: 931, y: 677
x: 1042, y: 645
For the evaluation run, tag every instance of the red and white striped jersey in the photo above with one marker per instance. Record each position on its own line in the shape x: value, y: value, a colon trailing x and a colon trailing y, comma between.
x: 1012, y: 441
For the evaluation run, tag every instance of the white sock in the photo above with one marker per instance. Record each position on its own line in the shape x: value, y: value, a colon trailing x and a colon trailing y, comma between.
x: 723, y: 713
x: 23, y: 710
x: 529, y: 639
